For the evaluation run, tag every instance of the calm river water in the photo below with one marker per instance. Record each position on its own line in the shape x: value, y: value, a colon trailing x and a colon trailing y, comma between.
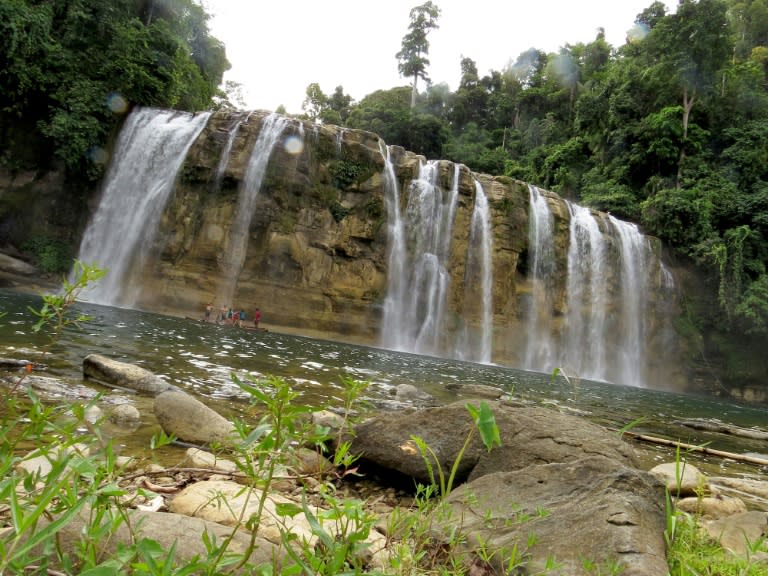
x: 201, y: 358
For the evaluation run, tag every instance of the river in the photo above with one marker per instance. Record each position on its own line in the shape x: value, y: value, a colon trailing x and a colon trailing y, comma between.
x: 201, y: 358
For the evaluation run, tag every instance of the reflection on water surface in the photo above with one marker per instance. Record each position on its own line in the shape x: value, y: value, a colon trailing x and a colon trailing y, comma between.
x: 201, y: 358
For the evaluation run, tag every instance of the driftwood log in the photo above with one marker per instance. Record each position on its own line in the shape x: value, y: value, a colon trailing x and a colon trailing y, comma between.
x: 697, y: 448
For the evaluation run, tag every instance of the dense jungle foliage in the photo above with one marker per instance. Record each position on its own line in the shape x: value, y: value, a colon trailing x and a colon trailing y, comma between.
x: 669, y: 130
x: 69, y: 69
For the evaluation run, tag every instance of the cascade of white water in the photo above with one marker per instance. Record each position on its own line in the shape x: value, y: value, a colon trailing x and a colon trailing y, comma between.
x: 603, y: 333
x: 540, y: 345
x: 584, y: 351
x: 233, y: 255
x: 392, y: 329
x: 479, y: 270
x: 414, y: 313
x: 150, y: 150
x: 635, y: 255
x: 227, y: 150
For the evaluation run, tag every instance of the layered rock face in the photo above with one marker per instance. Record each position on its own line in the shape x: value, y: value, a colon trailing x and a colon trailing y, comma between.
x: 316, y: 252
x: 316, y: 259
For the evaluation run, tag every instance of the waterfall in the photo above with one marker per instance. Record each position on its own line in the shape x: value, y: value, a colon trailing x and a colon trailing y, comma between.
x: 635, y: 254
x: 414, y: 310
x: 479, y: 275
x: 602, y: 327
x: 587, y: 295
x: 540, y: 344
x: 233, y: 256
x: 392, y: 329
x: 227, y: 150
x: 150, y: 150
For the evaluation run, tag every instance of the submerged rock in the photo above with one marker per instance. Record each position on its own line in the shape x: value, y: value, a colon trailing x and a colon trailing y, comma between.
x: 11, y: 363
x: 125, y: 415
x: 196, y: 458
x: 123, y: 375
x: 49, y: 388
x: 408, y: 393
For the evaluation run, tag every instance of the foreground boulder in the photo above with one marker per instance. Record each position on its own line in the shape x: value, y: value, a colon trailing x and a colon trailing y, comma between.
x: 123, y: 375
x: 229, y: 503
x: 529, y: 435
x: 187, y: 534
x: 188, y: 419
x: 592, y: 515
x: 741, y: 534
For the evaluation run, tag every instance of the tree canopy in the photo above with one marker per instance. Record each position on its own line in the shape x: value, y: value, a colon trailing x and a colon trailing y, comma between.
x: 69, y: 68
x: 669, y: 129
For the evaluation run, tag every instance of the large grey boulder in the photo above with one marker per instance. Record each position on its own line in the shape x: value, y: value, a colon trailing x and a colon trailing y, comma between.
x: 168, y: 529
x: 589, y: 512
x: 123, y: 375
x: 188, y: 419
x: 12, y: 265
x: 529, y: 435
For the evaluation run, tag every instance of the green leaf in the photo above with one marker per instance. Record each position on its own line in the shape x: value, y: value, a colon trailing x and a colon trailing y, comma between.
x: 103, y: 570
x: 287, y: 509
x: 486, y: 424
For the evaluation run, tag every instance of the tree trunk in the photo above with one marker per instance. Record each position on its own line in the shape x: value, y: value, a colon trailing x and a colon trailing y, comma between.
x: 414, y: 91
x: 687, y: 107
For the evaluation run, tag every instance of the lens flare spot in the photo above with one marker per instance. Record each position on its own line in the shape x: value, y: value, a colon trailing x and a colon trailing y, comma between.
x: 293, y: 145
x: 117, y: 103
x: 637, y: 32
x: 98, y: 155
x: 566, y: 70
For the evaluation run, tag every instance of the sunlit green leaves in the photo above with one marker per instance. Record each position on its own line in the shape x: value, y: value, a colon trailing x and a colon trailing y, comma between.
x: 485, y: 422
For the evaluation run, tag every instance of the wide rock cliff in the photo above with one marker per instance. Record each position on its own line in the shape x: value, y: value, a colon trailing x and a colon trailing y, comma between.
x: 345, y: 233
x: 317, y: 254
x: 316, y: 258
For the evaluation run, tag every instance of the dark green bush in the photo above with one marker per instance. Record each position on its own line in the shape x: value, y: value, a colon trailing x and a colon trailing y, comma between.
x: 49, y: 254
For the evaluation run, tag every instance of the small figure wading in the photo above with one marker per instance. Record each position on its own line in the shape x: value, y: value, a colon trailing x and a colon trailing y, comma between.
x: 256, y: 318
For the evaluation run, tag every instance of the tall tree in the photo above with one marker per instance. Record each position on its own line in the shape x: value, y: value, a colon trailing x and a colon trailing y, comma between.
x: 692, y: 46
x: 315, y: 102
x: 412, y: 57
x: 470, y: 100
x: 70, y: 67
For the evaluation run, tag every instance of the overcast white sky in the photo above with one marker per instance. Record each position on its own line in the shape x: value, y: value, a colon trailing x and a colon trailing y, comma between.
x: 278, y: 47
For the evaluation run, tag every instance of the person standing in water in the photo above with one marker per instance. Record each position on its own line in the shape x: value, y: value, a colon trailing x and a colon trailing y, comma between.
x: 256, y: 318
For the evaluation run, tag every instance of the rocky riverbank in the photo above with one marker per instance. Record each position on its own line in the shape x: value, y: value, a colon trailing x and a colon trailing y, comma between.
x: 558, y: 492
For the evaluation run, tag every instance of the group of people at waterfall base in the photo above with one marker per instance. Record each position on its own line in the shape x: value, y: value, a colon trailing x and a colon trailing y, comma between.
x: 229, y: 316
